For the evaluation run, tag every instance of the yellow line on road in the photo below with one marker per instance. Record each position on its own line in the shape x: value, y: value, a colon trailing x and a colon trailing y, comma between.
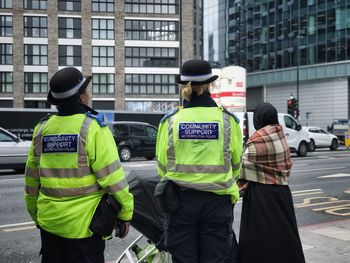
x: 310, y: 193
x: 18, y: 229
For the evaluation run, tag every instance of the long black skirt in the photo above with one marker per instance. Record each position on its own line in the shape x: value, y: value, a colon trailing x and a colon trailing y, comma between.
x: 268, y: 231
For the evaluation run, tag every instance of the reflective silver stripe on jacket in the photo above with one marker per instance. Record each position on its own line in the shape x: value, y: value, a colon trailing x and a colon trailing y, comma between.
x: 117, y: 186
x: 205, y: 186
x: 105, y: 171
x: 82, y: 156
x: 38, y: 142
x: 65, y: 172
x: 236, y: 166
x: 161, y: 166
x: 33, y: 173
x: 32, y: 190
x: 193, y: 168
x: 65, y: 192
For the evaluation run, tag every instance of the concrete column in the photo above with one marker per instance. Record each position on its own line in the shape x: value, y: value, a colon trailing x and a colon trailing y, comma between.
x: 119, y: 56
x: 187, y: 27
x: 86, y: 42
x: 52, y: 33
x: 18, y: 54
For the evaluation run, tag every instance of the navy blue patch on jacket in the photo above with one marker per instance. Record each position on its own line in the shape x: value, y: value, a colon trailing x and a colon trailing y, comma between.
x: 198, y: 130
x: 61, y: 143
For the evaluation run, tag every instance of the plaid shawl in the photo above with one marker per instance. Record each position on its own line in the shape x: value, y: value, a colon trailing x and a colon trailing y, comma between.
x: 266, y: 158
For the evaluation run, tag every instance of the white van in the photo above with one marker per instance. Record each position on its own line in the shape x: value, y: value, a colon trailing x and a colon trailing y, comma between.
x: 298, y: 139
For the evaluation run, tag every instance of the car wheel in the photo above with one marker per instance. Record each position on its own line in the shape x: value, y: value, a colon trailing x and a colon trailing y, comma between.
x: 125, y: 154
x: 334, y: 145
x: 312, y: 146
x: 150, y: 157
x: 302, y: 150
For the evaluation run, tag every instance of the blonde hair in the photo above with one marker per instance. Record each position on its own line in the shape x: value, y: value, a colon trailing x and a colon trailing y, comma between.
x: 188, y: 89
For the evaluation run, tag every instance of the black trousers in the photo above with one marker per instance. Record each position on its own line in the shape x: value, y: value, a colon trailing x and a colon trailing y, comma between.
x: 56, y: 249
x: 201, y: 230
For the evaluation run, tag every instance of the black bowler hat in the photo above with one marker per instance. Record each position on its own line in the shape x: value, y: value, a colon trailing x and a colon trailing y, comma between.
x: 65, y: 84
x: 196, y: 71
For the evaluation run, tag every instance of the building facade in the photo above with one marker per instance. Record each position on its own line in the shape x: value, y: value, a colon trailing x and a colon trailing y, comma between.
x: 289, y: 47
x: 132, y: 48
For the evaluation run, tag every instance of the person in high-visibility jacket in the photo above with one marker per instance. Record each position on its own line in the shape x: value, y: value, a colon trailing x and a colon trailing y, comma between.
x: 199, y: 149
x: 72, y: 162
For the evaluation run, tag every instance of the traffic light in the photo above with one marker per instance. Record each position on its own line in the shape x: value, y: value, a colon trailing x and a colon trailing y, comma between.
x: 296, y: 109
x: 293, y: 107
x: 290, y: 104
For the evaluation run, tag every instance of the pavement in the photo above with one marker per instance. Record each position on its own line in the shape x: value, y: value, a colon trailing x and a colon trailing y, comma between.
x: 326, y: 242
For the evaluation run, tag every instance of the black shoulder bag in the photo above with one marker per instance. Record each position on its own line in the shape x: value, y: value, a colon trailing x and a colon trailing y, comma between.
x: 105, y: 216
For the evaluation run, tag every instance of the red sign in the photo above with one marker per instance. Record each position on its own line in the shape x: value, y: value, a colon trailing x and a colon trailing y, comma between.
x: 239, y: 84
x: 233, y: 94
x: 215, y: 95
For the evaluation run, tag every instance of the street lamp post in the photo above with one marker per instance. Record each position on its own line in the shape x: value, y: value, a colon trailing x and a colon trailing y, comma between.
x: 298, y: 58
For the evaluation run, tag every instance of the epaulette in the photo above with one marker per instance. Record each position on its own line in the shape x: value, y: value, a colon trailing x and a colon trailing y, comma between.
x: 231, y: 113
x: 97, y: 118
x: 48, y: 116
x: 169, y: 114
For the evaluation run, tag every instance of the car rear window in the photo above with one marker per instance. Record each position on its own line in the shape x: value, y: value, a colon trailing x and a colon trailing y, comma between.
x: 137, y: 130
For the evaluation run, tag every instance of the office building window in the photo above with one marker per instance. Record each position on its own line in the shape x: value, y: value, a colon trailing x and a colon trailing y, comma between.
x: 35, y: 4
x: 151, y: 30
x: 101, y: 105
x: 102, y: 28
x: 69, y: 55
x: 35, y: 82
x: 69, y: 27
x: 6, y: 82
x: 151, y: 57
x: 6, y: 26
x: 151, y: 106
x: 150, y: 84
x: 102, y: 83
x: 152, y: 6
x: 35, y: 54
x: 5, y: 4
x: 6, y: 54
x: 102, y: 5
x: 36, y: 104
x: 35, y: 26
x: 72, y: 5
x: 102, y: 56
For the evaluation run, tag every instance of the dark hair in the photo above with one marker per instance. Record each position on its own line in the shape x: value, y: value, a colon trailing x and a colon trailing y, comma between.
x: 265, y: 114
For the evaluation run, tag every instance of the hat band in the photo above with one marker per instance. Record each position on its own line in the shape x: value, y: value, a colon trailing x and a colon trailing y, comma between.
x: 68, y: 93
x: 196, y: 78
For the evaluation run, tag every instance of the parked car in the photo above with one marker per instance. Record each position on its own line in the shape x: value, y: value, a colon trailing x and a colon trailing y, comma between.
x: 134, y: 139
x: 13, y: 151
x: 319, y: 138
x: 298, y: 139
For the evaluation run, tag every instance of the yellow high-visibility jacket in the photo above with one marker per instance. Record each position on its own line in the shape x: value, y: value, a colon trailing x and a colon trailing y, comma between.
x: 72, y: 162
x: 200, y: 148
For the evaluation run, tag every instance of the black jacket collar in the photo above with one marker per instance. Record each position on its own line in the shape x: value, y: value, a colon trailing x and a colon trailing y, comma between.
x: 76, y: 108
x: 203, y: 100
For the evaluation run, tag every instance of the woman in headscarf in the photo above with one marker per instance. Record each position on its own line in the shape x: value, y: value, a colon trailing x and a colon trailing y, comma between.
x: 268, y: 231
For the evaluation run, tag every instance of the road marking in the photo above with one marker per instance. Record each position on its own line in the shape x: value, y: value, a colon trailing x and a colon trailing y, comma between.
x: 310, y: 193
x: 17, y: 224
x: 296, y: 165
x: 320, y: 169
x: 334, y: 175
x: 18, y: 229
x: 308, y: 201
x: 307, y: 247
x: 345, y: 206
x: 304, y: 191
x: 15, y: 179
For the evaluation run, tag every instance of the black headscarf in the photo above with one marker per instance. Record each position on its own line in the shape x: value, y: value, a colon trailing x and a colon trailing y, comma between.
x: 265, y: 114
